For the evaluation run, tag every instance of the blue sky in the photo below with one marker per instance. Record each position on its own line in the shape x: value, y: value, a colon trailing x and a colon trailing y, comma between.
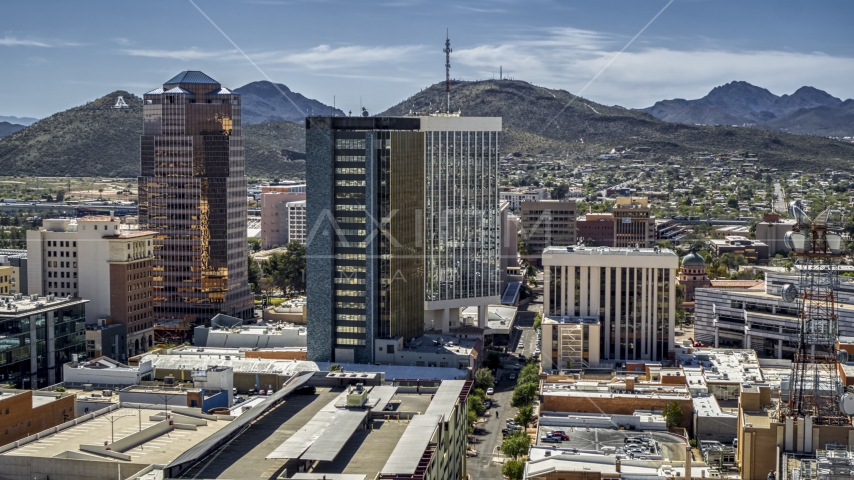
x: 58, y: 54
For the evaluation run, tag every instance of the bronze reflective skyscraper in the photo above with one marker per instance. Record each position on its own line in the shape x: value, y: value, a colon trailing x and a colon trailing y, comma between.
x: 192, y: 191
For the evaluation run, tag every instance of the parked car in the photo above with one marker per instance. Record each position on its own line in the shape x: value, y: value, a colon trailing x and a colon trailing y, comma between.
x: 548, y: 439
x: 517, y: 367
x: 522, y: 357
x: 559, y: 434
x: 305, y: 390
x: 262, y: 393
x: 487, y: 404
x: 252, y: 392
x: 239, y: 400
x: 388, y: 407
x: 510, y: 422
x: 512, y: 376
x: 490, y: 391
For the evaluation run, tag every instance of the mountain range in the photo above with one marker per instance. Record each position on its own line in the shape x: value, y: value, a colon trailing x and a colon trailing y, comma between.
x: 7, y: 128
x: 25, y: 121
x: 806, y: 111
x: 97, y: 140
x: 264, y: 102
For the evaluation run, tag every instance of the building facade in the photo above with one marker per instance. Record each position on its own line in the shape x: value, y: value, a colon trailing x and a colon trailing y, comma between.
x: 403, y: 215
x: 570, y: 342
x: 772, y: 234
x: 24, y: 413
x: 296, y: 221
x: 753, y: 251
x: 105, y: 261
x: 516, y: 196
x: 692, y: 275
x: 632, y: 292
x: 275, y: 216
x: 192, y: 191
x: 40, y: 334
x: 546, y: 223
x: 596, y: 229
x: 759, y: 319
x: 633, y: 224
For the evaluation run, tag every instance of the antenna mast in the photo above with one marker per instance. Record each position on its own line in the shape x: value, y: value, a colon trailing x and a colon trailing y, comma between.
x: 448, y: 51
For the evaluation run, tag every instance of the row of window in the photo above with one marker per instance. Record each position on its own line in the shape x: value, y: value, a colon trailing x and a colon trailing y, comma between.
x: 60, y: 284
x: 62, y: 253
x: 62, y: 243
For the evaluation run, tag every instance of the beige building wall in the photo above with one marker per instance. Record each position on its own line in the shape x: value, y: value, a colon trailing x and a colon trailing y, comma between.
x: 274, y: 216
x: 631, y: 291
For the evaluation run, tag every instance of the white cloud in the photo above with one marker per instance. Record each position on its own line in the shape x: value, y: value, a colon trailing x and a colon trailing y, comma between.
x: 15, y: 42
x: 568, y: 58
x: 327, y: 57
x: 185, y: 54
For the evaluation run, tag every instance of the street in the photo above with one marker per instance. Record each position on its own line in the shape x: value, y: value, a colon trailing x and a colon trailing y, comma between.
x: 482, y: 466
x: 779, y: 198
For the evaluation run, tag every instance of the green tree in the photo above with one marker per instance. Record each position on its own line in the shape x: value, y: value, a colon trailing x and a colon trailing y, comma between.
x: 524, y: 394
x: 673, y: 414
x: 560, y: 191
x: 524, y: 415
x: 287, y: 269
x: 335, y: 368
x: 255, y: 244
x: 530, y: 374
x: 483, y: 379
x: 493, y: 359
x: 538, y: 321
x: 516, y: 444
x: 254, y: 275
x: 732, y: 202
x: 513, y: 469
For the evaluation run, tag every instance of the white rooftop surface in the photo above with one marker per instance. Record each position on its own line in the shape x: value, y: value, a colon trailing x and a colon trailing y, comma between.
x: 200, y: 361
x: 412, y: 444
x: 622, y: 251
x: 328, y: 476
x: 709, y: 407
x: 723, y: 365
x: 160, y: 450
x: 445, y: 398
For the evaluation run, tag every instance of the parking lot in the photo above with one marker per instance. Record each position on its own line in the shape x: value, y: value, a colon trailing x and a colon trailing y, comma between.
x: 614, y: 441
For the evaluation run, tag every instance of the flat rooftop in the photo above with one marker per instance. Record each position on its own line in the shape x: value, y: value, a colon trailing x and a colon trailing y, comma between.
x: 593, y: 440
x: 624, y: 251
x: 441, y: 344
x: 233, y: 357
x: 160, y: 450
x: 18, y: 305
x: 39, y: 398
x: 364, y: 453
x: 724, y: 365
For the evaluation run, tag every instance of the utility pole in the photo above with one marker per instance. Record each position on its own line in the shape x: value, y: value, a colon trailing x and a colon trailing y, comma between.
x: 112, y: 420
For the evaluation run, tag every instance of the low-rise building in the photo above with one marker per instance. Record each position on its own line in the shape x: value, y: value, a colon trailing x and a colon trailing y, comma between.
x: 546, y: 223
x: 596, y: 229
x: 17, y: 259
x: 515, y: 197
x: 277, y: 335
x: 772, y: 232
x: 40, y: 334
x: 758, y: 319
x: 432, y: 350
x: 622, y: 394
x: 105, y: 373
x: 753, y: 251
x: 25, y: 412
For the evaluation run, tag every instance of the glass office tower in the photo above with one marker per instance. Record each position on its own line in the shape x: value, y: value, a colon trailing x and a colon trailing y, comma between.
x: 192, y: 191
x: 402, y: 217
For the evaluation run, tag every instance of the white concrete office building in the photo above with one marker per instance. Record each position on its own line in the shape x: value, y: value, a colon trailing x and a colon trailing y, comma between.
x: 631, y: 290
x: 296, y: 221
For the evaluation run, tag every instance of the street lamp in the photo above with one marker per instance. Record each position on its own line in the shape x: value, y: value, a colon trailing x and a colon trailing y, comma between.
x: 112, y: 420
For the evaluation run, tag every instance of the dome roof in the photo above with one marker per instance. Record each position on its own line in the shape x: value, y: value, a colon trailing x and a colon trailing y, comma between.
x: 693, y: 260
